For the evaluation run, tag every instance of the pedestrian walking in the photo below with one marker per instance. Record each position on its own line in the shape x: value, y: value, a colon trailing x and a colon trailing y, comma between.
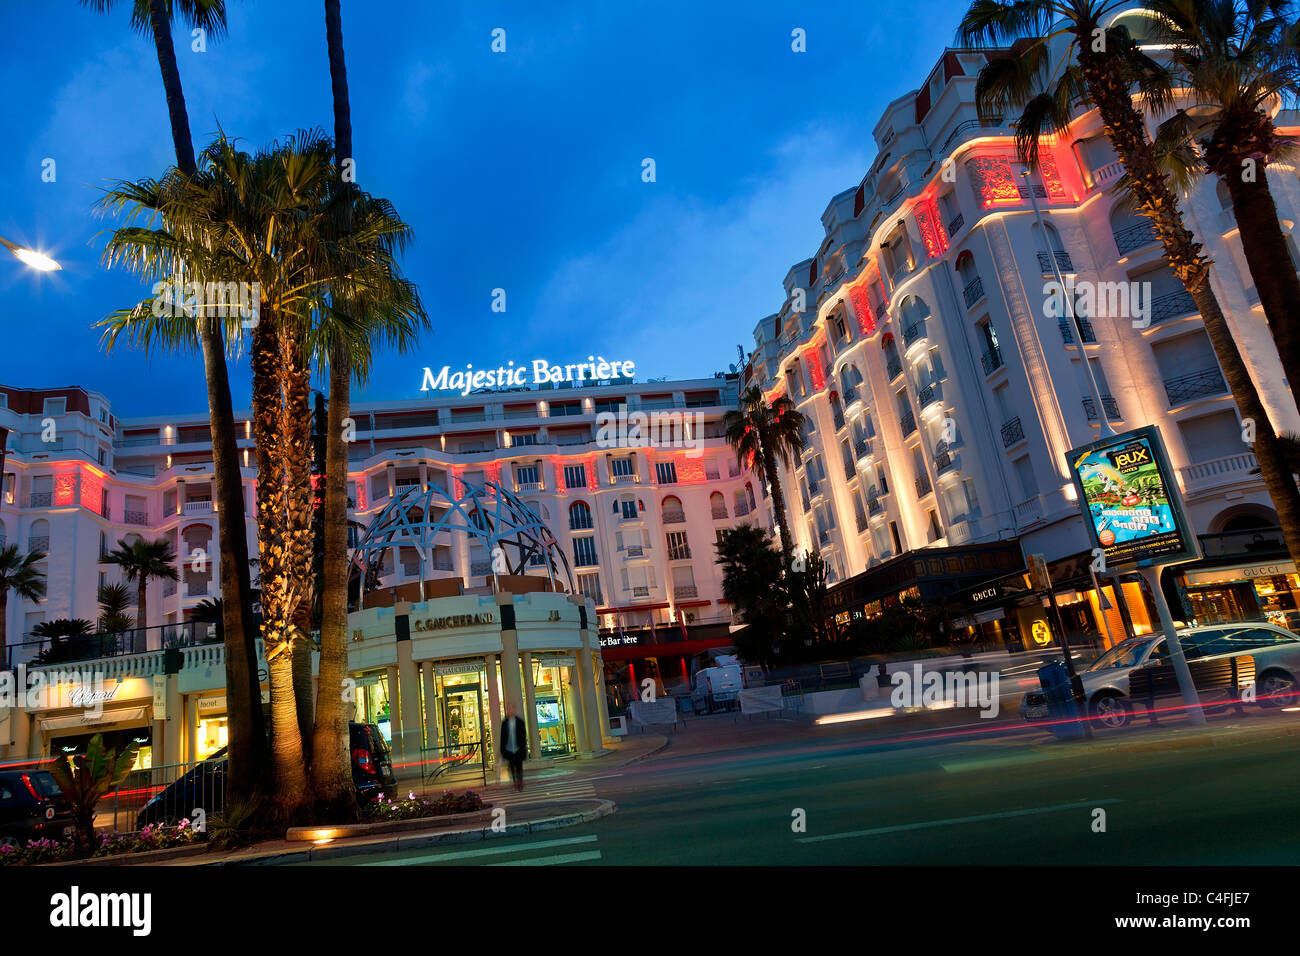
x: 514, y: 745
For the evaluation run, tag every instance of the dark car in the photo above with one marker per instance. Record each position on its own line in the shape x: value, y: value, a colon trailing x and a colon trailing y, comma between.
x: 32, y: 806
x: 205, y: 784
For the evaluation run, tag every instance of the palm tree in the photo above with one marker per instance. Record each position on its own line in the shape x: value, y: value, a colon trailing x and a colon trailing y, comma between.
x: 113, y: 601
x: 18, y: 573
x: 273, y: 219
x: 1103, y: 66
x: 247, y: 736
x: 142, y: 561
x: 1231, y: 61
x: 760, y: 433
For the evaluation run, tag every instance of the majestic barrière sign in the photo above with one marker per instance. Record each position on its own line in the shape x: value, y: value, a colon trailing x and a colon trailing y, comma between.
x: 536, y: 372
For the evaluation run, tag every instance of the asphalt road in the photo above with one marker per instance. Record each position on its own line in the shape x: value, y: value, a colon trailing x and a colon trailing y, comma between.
x: 772, y: 793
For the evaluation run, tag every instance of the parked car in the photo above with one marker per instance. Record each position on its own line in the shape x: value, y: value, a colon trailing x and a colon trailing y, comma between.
x: 32, y: 806
x: 1106, y: 681
x: 205, y: 784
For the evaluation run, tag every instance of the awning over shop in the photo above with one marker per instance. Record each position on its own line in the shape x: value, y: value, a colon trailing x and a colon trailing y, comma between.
x: 121, y: 715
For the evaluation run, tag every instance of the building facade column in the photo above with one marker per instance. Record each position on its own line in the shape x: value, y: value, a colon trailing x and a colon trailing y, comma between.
x: 530, y: 705
x: 494, y: 710
x: 432, y: 733
x: 408, y: 691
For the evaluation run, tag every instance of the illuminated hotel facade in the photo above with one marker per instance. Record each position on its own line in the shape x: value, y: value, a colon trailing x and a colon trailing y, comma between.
x: 636, y: 522
x: 943, y: 385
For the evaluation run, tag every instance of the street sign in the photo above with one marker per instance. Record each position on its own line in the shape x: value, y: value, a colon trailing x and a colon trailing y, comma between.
x: 1130, y: 500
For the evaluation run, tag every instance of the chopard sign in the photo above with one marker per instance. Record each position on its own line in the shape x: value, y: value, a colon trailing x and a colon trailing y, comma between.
x: 454, y: 620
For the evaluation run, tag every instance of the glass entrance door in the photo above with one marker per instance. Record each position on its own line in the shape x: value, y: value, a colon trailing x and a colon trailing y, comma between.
x: 463, y: 714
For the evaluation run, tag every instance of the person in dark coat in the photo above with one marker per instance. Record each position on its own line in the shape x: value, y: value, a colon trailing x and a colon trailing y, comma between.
x: 514, y: 745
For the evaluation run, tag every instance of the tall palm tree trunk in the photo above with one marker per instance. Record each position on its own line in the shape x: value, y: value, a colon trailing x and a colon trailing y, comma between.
x: 141, y: 604
x: 331, y: 772
x: 778, y: 501
x: 295, y: 433
x: 1229, y: 154
x: 1127, y: 132
x: 289, y: 778
x: 247, y: 740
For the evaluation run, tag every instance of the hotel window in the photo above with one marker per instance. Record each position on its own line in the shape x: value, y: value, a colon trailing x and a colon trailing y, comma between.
x: 609, y: 406
x: 579, y: 516
x: 526, y: 474
x: 584, y: 552
x: 934, y: 532
x: 55, y: 406
x: 589, y: 586
x: 526, y: 438
x: 1025, y: 473
x: 629, y: 509
x: 684, y: 582
x: 4, y: 399
x: 575, y: 476
x: 666, y: 472
x: 678, y: 547
x: 621, y: 467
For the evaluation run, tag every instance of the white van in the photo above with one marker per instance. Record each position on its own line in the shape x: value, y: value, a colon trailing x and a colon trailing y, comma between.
x: 717, y: 687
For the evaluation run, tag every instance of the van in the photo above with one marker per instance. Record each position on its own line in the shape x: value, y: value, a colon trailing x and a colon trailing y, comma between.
x: 717, y: 687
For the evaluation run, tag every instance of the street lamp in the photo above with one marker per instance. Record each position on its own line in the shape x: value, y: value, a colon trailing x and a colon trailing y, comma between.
x: 30, y: 257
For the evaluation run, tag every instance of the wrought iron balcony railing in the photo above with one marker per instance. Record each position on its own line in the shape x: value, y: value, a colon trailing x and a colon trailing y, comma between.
x: 1012, y: 432
x: 1185, y: 388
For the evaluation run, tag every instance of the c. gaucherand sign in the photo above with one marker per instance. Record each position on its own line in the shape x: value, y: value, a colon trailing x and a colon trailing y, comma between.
x: 451, y: 621
x: 536, y: 372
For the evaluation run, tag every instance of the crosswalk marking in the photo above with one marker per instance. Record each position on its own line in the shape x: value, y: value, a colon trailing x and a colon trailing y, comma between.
x: 531, y: 794
x: 483, y: 851
x: 551, y: 860
x: 952, y: 821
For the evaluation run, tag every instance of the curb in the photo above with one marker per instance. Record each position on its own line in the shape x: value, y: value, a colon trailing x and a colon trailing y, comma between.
x: 318, y: 853
x: 350, y: 830
x: 649, y: 753
x: 137, y: 859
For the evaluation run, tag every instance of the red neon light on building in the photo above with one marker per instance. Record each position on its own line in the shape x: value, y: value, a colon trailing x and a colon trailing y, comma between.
x: 92, y: 492
x: 1051, y: 176
x: 592, y: 483
x: 997, y: 182
x: 862, y: 306
x: 361, y: 493
x: 690, y: 471
x: 492, y: 471
x: 815, y: 369
x: 65, y: 489
x: 932, y: 233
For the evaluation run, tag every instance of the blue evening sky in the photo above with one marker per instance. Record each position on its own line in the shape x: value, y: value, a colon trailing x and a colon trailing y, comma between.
x: 519, y: 170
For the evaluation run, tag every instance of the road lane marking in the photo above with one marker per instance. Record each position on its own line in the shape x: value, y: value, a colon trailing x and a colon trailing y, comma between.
x: 551, y: 860
x: 953, y: 821
x: 486, y: 851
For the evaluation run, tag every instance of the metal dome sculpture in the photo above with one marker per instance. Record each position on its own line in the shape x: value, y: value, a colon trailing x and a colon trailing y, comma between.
x: 513, y: 535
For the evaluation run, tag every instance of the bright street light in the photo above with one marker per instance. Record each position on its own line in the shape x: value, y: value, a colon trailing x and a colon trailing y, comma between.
x: 30, y: 257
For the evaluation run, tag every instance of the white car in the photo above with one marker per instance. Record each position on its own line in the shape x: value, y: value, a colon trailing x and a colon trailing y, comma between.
x: 1105, y: 682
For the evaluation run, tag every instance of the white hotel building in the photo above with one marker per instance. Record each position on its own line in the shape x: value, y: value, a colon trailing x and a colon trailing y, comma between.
x: 941, y: 395
x: 637, y: 524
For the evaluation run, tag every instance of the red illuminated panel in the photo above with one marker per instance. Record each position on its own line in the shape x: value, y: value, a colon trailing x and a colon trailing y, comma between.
x: 492, y: 471
x: 996, y: 180
x: 92, y: 492
x: 457, y: 486
x: 815, y: 369
x: 862, y: 306
x: 65, y: 489
x: 592, y: 483
x: 1051, y: 177
x: 690, y: 471
x: 932, y: 234
x: 361, y: 493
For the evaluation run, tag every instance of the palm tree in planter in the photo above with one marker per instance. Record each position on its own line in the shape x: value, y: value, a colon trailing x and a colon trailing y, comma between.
x: 61, y: 633
x: 143, y: 561
x: 1062, y: 57
x: 18, y: 573
x: 114, y: 601
x: 760, y: 433
x: 86, y: 778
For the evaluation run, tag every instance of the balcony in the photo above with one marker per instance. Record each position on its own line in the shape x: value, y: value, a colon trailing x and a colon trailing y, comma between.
x: 837, y: 416
x: 927, y: 395
x: 1195, y: 385
x: 1027, y: 512
x: 622, y: 479
x: 991, y: 360
x: 1103, y: 175
x: 850, y: 394
x: 41, y: 543
x: 484, y: 568
x: 942, y: 457
x: 639, y: 590
x: 862, y: 448
x: 530, y: 486
x: 973, y: 292
x: 112, y: 645
x: 1012, y: 432
x: 674, y: 517
x: 803, y: 500
x: 41, y: 499
x: 1107, y: 402
x: 1063, y: 262
x: 893, y: 367
x: 955, y: 224
x: 850, y: 470
x: 199, y: 507
x: 874, y: 507
x: 634, y: 550
x: 719, y: 512
x: 1172, y: 305
x: 913, y: 333
x: 685, y: 591
x: 861, y: 521
x: 1135, y: 237
x: 1217, y: 472
x: 198, y: 587
x: 922, y: 485
x: 907, y: 423
x: 135, y: 517
x: 742, y: 509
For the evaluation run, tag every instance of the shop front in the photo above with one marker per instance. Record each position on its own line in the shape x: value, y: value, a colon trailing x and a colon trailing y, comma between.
x: 121, y: 711
x: 1267, y: 591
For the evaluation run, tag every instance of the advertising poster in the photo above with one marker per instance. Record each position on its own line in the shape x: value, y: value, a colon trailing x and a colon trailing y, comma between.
x: 1130, y: 500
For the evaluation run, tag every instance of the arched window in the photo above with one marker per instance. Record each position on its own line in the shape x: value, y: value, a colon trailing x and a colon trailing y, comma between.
x: 850, y: 380
x: 742, y: 503
x: 912, y: 311
x: 38, y: 538
x: 966, y: 270
x: 718, y: 504
x: 579, y: 516
x: 672, y: 510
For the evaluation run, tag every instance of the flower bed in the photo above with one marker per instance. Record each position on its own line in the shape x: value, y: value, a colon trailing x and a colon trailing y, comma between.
x: 153, y: 837
x: 413, y: 807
